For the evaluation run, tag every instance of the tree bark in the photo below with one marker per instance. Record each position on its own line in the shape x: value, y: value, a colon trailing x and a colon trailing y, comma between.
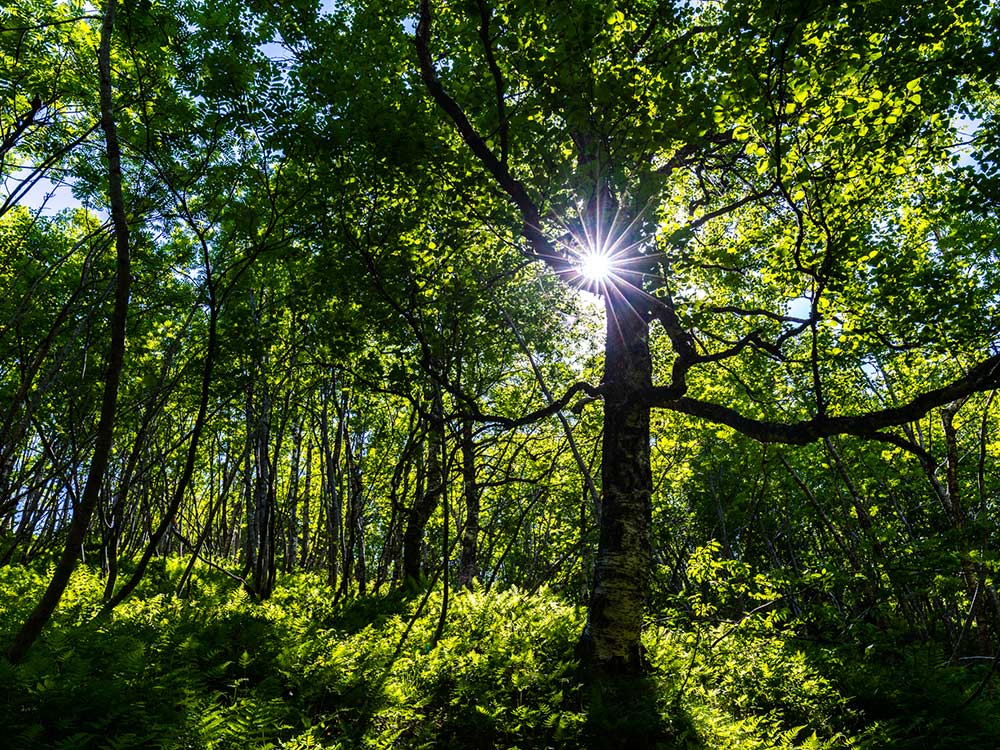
x: 331, y: 476
x: 467, y: 566
x: 610, y: 640
x: 77, y: 531
x: 304, y: 559
x: 292, y: 548
x: 424, y: 503
x: 264, y: 502
x: 355, y: 565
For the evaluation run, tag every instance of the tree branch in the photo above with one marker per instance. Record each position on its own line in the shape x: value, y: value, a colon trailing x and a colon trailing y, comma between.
x: 983, y: 377
x: 541, y: 247
x: 547, y: 411
x: 498, y: 82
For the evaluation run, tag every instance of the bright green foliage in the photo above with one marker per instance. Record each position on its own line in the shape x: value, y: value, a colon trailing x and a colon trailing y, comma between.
x: 217, y: 671
x: 818, y: 175
x: 498, y: 676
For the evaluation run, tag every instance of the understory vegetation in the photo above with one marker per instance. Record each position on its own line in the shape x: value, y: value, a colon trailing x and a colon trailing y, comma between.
x: 499, y: 374
x: 215, y: 669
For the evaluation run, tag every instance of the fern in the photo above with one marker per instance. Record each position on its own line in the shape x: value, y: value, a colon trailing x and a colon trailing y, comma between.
x: 217, y: 671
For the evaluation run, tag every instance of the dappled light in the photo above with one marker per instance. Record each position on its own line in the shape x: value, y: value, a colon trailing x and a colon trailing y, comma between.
x: 499, y: 374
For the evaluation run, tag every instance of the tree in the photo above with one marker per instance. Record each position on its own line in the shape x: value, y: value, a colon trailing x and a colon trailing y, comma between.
x: 378, y: 247
x: 113, y: 370
x: 47, y: 54
x: 743, y: 165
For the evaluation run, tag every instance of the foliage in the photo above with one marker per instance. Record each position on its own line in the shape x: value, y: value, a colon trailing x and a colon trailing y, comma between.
x: 216, y: 670
x: 356, y: 230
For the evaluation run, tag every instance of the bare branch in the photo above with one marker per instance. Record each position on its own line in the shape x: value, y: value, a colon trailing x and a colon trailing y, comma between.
x: 547, y: 411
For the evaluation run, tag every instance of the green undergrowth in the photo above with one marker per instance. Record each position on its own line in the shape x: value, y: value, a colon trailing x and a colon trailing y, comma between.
x: 217, y: 670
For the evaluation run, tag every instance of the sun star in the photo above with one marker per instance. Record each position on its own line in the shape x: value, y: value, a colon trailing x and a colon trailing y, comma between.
x: 595, y: 266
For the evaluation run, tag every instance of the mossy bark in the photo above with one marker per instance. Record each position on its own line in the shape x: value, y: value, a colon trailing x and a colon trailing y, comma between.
x: 611, y: 639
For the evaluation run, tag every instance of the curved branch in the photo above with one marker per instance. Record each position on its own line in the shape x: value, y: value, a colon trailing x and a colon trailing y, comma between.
x: 554, y: 407
x: 747, y: 312
x: 542, y: 248
x: 498, y: 82
x: 983, y: 377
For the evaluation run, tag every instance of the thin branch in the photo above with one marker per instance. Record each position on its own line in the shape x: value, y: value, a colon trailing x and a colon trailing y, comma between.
x: 547, y: 411
x: 542, y: 248
x: 498, y: 82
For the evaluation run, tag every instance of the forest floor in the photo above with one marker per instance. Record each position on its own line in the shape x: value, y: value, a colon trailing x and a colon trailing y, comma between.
x: 216, y: 670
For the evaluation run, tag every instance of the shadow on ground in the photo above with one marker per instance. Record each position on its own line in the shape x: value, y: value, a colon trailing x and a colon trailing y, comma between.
x: 633, y: 713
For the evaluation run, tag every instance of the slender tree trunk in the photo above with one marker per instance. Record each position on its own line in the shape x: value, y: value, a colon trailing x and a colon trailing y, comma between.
x: 585, y: 474
x: 214, y: 505
x: 349, y: 550
x: 250, y: 541
x: 77, y: 531
x: 445, y: 553
x: 307, y: 492
x: 184, y: 583
x: 292, y: 549
x: 357, y: 521
x: 188, y: 472
x: 982, y: 595
x: 848, y: 550
x: 424, y: 503
x: 468, y: 561
x: 331, y: 460
x: 116, y: 526
x: 398, y: 488
x: 264, y: 502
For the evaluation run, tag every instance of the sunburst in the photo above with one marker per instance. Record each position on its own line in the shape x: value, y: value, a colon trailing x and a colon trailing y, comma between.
x: 596, y: 265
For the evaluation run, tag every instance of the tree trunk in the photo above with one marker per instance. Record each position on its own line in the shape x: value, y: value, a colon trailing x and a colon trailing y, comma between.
x: 77, y: 531
x: 358, y: 523
x: 467, y: 566
x: 264, y: 501
x: 610, y: 640
x: 331, y: 476
x: 292, y: 548
x: 250, y: 540
x: 982, y: 594
x: 307, y: 492
x: 398, y: 488
x: 424, y: 503
x: 188, y: 471
x: 113, y: 530
x: 354, y: 545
